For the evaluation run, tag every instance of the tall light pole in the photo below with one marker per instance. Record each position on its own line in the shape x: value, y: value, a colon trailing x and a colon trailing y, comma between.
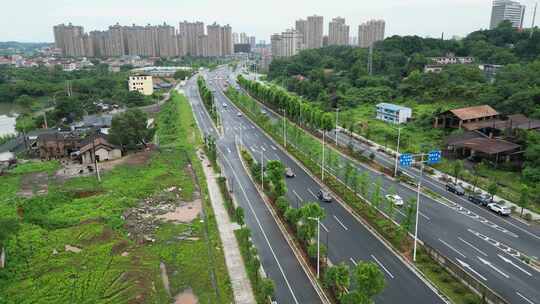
x: 322, y: 162
x: 262, y: 169
x: 397, y: 153
x: 418, y: 206
x: 284, y: 130
x: 337, y: 111
x: 318, y: 242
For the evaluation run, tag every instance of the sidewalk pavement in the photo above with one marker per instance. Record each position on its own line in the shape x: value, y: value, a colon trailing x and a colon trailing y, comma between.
x: 243, y: 293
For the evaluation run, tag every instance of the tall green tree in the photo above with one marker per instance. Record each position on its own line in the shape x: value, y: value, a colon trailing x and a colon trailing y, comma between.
x: 129, y: 129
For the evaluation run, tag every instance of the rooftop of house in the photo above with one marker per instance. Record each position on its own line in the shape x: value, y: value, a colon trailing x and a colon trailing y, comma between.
x: 474, y: 112
x: 391, y: 106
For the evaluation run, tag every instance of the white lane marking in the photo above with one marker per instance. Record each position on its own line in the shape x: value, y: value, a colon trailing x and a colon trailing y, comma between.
x: 450, y: 246
x: 423, y: 215
x: 340, y: 223
x: 524, y: 298
x: 253, y: 149
x: 353, y: 261
x: 273, y: 148
x: 382, y: 266
x: 229, y: 150
x: 488, y: 263
x: 485, y: 254
x: 297, y: 196
x: 309, y: 190
x: 513, y: 264
x: 262, y: 147
x: 262, y: 230
x: 471, y: 269
x: 324, y: 227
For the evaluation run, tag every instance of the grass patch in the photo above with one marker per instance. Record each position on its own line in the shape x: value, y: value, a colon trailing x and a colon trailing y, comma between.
x: 85, y: 214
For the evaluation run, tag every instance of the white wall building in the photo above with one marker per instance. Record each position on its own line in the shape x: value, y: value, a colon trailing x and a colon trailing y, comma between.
x: 392, y: 113
x: 512, y: 11
x: 142, y: 84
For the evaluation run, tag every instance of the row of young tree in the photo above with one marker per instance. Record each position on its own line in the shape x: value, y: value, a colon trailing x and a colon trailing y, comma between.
x: 207, y: 98
x: 294, y: 107
x: 357, y: 286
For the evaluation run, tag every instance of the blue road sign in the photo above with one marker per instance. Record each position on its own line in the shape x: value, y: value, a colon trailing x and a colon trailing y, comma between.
x: 434, y: 157
x: 405, y: 160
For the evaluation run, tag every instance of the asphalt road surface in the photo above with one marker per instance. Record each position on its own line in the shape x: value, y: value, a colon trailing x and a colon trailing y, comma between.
x: 467, y: 233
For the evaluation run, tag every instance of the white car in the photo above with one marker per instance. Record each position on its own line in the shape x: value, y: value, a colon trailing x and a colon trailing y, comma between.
x: 224, y: 105
x: 239, y: 114
x: 395, y: 199
x: 500, y: 209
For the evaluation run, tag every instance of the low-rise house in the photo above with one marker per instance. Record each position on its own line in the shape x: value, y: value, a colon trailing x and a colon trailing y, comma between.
x: 392, y: 113
x: 459, y: 118
x: 477, y: 146
x: 450, y: 58
x: 57, y: 145
x: 97, y: 148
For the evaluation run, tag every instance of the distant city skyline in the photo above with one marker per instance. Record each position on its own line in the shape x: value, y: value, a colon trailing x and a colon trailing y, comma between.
x: 31, y: 21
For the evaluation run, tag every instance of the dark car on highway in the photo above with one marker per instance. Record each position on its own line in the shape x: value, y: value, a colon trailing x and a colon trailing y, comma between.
x: 455, y: 189
x: 479, y: 199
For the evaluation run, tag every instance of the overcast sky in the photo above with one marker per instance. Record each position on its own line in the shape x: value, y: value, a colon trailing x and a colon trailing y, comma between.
x: 32, y: 20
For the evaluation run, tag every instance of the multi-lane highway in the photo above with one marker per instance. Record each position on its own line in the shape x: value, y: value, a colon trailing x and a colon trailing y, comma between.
x: 469, y: 234
x: 348, y: 240
x: 278, y: 260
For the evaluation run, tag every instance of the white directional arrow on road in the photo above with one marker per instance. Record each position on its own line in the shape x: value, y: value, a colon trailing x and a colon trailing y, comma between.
x: 486, y: 262
x: 465, y: 265
x: 513, y: 264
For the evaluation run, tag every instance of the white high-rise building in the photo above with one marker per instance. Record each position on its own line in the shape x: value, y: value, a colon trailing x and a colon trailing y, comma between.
x: 314, y: 32
x: 301, y: 27
x: 286, y: 44
x: 338, y: 32
x: 235, y: 38
x: 512, y: 11
x: 370, y: 32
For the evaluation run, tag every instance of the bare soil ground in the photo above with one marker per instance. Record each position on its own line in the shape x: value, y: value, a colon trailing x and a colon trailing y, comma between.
x: 186, y: 297
x: 34, y: 184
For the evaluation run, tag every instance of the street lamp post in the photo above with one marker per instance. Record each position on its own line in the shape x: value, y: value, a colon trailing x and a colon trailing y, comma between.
x: 396, y: 167
x: 418, y: 206
x: 318, y: 242
x: 262, y: 169
x: 337, y: 116
x: 284, y: 130
x: 406, y: 160
x: 322, y: 166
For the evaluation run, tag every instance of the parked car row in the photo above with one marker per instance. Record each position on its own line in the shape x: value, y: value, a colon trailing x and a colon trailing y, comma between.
x: 480, y: 199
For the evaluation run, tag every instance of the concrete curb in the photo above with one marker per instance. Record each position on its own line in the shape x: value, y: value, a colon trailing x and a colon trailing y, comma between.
x: 287, y: 236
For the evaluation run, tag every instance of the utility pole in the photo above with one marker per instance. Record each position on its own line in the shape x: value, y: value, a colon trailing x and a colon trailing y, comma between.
x: 533, y: 20
x: 95, y: 158
x: 370, y: 60
x: 397, y: 153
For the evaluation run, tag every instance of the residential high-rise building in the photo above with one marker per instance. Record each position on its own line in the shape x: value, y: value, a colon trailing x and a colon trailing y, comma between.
x: 301, y: 28
x: 512, y: 11
x: 192, y: 32
x: 276, y: 45
x: 69, y: 38
x: 314, y: 32
x: 167, y: 43
x: 215, y: 40
x: 243, y: 38
x: 338, y: 32
x: 370, y: 32
x: 227, y: 47
x: 286, y: 44
x: 252, y: 41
